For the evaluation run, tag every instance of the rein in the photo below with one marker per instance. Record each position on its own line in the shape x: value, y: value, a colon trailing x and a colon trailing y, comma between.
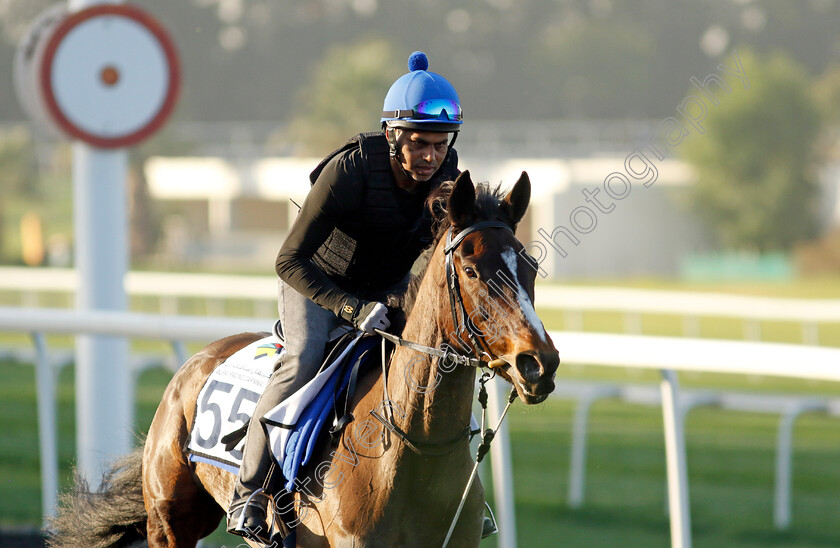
x: 418, y: 446
x: 447, y: 355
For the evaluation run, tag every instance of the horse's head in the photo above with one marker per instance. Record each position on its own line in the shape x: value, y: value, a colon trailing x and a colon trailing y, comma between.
x: 494, y: 276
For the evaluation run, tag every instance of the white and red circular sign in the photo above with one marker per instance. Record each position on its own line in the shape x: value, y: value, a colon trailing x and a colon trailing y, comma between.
x: 107, y: 75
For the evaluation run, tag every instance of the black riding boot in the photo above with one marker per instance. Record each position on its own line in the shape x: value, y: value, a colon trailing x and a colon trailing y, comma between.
x: 248, y: 513
x: 306, y: 327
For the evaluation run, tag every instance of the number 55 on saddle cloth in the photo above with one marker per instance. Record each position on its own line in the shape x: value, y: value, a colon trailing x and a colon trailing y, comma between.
x: 229, y: 396
x: 227, y: 401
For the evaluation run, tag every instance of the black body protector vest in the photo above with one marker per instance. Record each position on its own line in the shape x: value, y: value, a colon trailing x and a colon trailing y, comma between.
x: 382, y: 223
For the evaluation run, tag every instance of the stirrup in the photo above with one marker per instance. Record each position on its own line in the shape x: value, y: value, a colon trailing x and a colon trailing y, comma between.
x: 237, y: 515
x: 489, y: 526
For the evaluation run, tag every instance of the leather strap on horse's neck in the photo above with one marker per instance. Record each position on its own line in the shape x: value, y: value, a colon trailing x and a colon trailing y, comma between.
x: 425, y: 448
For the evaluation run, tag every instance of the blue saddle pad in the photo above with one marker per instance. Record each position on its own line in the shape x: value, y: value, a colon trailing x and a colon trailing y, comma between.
x: 304, y: 435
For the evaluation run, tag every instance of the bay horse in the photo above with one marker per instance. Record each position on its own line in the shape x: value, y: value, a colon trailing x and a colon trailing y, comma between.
x: 397, y: 482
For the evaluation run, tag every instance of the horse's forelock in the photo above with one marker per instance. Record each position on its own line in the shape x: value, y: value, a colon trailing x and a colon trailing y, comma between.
x: 488, y: 206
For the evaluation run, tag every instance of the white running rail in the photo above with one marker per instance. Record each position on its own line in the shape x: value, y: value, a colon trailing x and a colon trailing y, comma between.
x: 171, y: 288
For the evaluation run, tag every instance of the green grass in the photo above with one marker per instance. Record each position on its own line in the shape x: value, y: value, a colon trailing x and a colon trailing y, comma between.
x: 731, y: 463
x: 730, y: 466
x: 673, y: 326
x: 806, y: 287
x: 20, y: 496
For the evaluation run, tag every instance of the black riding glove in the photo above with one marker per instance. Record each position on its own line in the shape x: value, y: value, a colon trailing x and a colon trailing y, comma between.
x: 365, y: 315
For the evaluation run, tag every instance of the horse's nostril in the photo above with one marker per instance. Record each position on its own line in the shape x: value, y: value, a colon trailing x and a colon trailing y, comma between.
x: 550, y: 361
x: 528, y: 367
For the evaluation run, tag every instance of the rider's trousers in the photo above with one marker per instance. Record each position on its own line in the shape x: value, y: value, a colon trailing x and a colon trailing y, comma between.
x: 306, y: 327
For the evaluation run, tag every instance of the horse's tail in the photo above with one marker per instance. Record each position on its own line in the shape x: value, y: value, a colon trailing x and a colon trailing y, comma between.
x: 114, y: 515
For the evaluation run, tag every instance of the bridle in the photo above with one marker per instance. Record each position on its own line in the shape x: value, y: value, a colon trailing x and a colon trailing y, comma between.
x: 456, y: 303
x: 480, y: 349
x: 447, y: 356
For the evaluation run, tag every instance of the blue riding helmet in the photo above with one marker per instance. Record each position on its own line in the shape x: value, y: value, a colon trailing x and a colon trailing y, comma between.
x: 422, y: 100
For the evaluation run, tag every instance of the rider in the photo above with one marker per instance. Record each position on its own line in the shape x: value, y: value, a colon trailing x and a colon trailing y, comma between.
x: 358, y: 233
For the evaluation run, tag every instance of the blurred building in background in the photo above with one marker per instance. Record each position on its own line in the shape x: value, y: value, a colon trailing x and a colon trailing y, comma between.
x: 235, y: 205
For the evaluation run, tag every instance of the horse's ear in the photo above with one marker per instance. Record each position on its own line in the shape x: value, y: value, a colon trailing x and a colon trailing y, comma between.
x: 462, y: 201
x: 516, y: 202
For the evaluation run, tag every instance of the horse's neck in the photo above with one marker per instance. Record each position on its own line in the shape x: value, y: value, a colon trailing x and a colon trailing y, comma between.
x: 436, y: 403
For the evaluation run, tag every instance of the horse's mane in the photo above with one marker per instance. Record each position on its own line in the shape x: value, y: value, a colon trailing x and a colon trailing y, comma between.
x: 488, y: 199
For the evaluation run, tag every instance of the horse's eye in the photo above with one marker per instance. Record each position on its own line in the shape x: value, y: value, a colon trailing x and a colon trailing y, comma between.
x: 470, y: 272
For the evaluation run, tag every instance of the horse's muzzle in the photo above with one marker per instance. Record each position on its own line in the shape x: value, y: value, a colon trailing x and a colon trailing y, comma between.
x: 536, y: 372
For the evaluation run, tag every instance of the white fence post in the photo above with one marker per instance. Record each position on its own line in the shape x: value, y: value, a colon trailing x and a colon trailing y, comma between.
x: 784, y: 459
x: 577, y: 465
x: 678, y: 502
x: 45, y: 381
x: 784, y: 462
x: 502, y: 466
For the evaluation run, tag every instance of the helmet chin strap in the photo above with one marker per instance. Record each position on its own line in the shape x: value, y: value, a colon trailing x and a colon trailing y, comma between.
x: 454, y: 138
x: 391, y: 136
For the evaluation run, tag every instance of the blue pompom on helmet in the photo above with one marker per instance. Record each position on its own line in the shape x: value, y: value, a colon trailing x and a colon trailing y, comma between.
x: 422, y: 100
